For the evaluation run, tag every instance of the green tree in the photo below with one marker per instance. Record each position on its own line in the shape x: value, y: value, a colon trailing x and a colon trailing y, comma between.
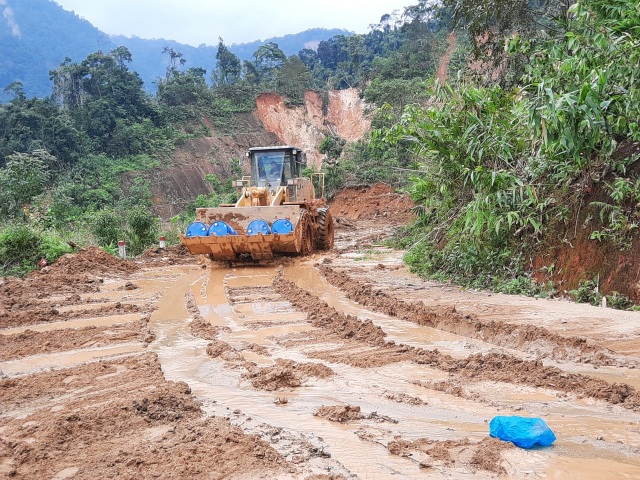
x: 228, y: 66
x: 293, y: 79
x: 22, y: 178
x: 268, y: 59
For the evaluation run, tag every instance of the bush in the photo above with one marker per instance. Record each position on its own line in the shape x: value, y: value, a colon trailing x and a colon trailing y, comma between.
x: 107, y: 226
x: 587, y: 293
x: 142, y: 230
x: 21, y: 247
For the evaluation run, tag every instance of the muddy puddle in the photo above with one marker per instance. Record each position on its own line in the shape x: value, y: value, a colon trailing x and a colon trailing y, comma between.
x: 61, y: 360
x: 396, y: 400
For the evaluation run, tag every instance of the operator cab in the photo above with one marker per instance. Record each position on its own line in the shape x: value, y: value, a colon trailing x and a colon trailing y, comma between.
x: 272, y: 166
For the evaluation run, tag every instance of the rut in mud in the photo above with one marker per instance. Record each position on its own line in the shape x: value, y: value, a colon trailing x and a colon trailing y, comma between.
x: 493, y: 366
x: 528, y: 338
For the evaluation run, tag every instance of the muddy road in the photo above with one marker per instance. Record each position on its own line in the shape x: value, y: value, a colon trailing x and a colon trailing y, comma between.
x: 340, y: 365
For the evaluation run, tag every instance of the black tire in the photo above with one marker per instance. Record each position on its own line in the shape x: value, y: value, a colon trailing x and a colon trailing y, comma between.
x: 325, y: 229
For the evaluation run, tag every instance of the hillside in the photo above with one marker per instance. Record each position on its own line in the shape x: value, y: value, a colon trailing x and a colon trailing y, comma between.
x: 37, y: 36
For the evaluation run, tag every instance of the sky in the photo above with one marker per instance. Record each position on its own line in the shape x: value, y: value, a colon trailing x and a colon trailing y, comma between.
x: 195, y: 22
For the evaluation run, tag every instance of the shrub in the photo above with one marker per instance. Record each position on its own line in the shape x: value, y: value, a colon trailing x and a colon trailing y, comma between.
x: 21, y: 247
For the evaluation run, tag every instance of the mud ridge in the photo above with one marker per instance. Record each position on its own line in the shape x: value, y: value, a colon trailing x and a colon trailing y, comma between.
x: 33, y: 316
x: 528, y: 338
x: 29, y: 342
x: 348, y: 413
x: 492, y: 366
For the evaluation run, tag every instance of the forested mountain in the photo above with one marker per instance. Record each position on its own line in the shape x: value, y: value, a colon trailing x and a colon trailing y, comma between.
x: 37, y: 35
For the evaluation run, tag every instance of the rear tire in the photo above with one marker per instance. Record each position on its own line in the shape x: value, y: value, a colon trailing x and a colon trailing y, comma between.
x: 325, y: 229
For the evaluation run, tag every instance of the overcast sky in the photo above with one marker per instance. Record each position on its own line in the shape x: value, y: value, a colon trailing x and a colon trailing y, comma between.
x: 202, y: 21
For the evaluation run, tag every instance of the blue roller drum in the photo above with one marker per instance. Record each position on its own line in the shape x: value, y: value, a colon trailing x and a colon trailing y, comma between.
x: 220, y: 229
x: 196, y: 229
x: 258, y: 226
x: 282, y: 226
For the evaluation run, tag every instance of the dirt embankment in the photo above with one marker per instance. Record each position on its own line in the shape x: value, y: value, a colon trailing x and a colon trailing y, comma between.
x: 574, y: 256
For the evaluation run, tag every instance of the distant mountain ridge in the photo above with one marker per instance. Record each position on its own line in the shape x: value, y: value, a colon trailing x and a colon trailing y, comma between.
x: 37, y: 35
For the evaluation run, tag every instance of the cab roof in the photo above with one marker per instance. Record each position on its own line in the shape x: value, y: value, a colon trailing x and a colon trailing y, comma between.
x: 267, y: 149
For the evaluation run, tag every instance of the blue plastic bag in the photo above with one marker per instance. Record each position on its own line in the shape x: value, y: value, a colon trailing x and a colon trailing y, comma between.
x: 521, y: 431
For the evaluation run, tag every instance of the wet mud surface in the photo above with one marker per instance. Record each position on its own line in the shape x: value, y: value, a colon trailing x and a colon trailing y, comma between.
x: 340, y: 365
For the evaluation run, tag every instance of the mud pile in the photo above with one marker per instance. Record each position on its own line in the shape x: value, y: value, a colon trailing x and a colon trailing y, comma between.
x: 340, y: 413
x: 133, y: 431
x: 90, y: 260
x: 284, y: 374
x: 71, y: 274
x: 367, y: 202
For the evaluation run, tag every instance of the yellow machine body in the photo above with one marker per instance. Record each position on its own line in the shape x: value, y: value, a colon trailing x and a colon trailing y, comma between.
x: 280, y: 195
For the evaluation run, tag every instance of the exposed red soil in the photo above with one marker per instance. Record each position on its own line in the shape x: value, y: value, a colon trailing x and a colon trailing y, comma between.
x: 112, y: 425
x: 575, y: 256
x: 443, y: 66
x: 367, y: 202
x: 37, y: 343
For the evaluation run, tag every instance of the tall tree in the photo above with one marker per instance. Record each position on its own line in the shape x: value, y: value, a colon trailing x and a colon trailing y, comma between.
x: 228, y: 66
x: 268, y: 59
x: 293, y: 79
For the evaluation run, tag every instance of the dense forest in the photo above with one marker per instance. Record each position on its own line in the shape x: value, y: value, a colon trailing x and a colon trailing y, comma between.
x: 534, y: 138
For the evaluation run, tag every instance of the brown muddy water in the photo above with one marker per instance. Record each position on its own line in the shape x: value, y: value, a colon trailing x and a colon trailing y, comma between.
x: 595, y: 439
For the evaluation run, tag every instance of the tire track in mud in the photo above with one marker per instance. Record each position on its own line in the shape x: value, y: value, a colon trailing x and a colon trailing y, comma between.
x: 527, y: 338
x: 28, y: 343
x: 49, y: 314
x: 492, y: 366
x: 460, y: 454
x: 283, y: 373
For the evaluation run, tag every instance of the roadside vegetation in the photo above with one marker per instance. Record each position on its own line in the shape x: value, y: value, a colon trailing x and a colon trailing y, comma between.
x: 533, y: 136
